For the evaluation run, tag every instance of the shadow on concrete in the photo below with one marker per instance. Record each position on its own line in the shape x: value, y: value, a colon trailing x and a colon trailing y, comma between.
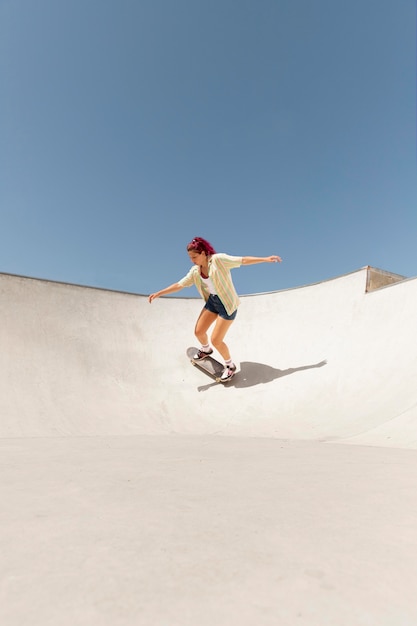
x: 251, y: 374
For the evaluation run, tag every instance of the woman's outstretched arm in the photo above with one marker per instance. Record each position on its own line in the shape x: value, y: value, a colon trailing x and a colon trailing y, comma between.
x: 164, y: 292
x: 251, y: 260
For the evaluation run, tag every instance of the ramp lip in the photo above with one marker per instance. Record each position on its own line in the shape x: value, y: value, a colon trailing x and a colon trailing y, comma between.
x: 245, y: 295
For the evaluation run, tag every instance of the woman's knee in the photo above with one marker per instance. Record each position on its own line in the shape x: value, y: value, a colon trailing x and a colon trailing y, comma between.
x: 215, y: 342
x: 200, y: 328
x: 220, y: 331
x: 204, y: 322
x: 217, y: 339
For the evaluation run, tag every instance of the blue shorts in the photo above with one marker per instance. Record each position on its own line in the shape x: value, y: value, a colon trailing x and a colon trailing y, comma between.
x: 215, y: 305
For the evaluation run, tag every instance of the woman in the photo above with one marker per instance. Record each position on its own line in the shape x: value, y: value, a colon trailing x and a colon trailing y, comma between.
x: 211, y: 275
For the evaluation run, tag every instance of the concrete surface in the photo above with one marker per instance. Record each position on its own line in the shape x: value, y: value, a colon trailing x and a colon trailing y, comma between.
x: 135, y: 490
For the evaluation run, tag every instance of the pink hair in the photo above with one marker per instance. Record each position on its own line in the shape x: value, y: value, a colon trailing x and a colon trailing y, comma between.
x: 201, y: 245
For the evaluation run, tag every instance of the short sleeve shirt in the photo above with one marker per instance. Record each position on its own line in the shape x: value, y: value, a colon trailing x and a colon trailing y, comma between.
x: 219, y: 272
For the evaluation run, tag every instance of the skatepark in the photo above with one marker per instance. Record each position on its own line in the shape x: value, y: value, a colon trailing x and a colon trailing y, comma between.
x: 137, y: 490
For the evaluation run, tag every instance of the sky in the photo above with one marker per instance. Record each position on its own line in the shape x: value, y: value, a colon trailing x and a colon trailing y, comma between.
x: 128, y: 127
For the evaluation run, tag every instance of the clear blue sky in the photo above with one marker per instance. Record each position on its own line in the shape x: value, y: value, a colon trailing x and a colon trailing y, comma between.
x: 127, y: 127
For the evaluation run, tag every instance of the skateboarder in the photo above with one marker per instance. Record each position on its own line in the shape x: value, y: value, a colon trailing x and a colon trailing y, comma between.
x: 211, y: 275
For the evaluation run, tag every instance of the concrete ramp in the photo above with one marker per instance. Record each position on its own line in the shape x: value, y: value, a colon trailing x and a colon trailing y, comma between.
x: 136, y: 491
x: 327, y: 362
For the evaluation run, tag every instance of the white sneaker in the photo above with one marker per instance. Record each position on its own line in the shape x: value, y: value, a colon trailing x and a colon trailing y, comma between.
x: 228, y: 372
x: 201, y: 354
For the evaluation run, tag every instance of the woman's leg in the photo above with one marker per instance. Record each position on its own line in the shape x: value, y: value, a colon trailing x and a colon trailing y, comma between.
x: 205, y: 320
x: 218, y: 335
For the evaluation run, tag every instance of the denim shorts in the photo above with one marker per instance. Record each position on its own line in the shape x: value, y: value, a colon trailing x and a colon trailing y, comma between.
x: 215, y: 305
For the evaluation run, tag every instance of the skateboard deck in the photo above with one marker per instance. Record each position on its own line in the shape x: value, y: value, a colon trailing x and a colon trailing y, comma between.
x: 208, y: 365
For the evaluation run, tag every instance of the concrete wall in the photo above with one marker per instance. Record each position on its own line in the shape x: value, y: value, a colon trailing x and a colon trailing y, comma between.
x: 322, y: 362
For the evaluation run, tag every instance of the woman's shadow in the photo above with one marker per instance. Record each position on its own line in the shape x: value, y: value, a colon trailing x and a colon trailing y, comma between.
x: 251, y: 374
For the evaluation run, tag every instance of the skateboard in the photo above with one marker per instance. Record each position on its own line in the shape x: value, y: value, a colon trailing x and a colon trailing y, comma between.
x: 208, y: 365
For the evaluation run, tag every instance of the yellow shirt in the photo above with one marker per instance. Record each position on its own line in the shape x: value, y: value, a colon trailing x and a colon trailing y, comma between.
x: 219, y: 267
